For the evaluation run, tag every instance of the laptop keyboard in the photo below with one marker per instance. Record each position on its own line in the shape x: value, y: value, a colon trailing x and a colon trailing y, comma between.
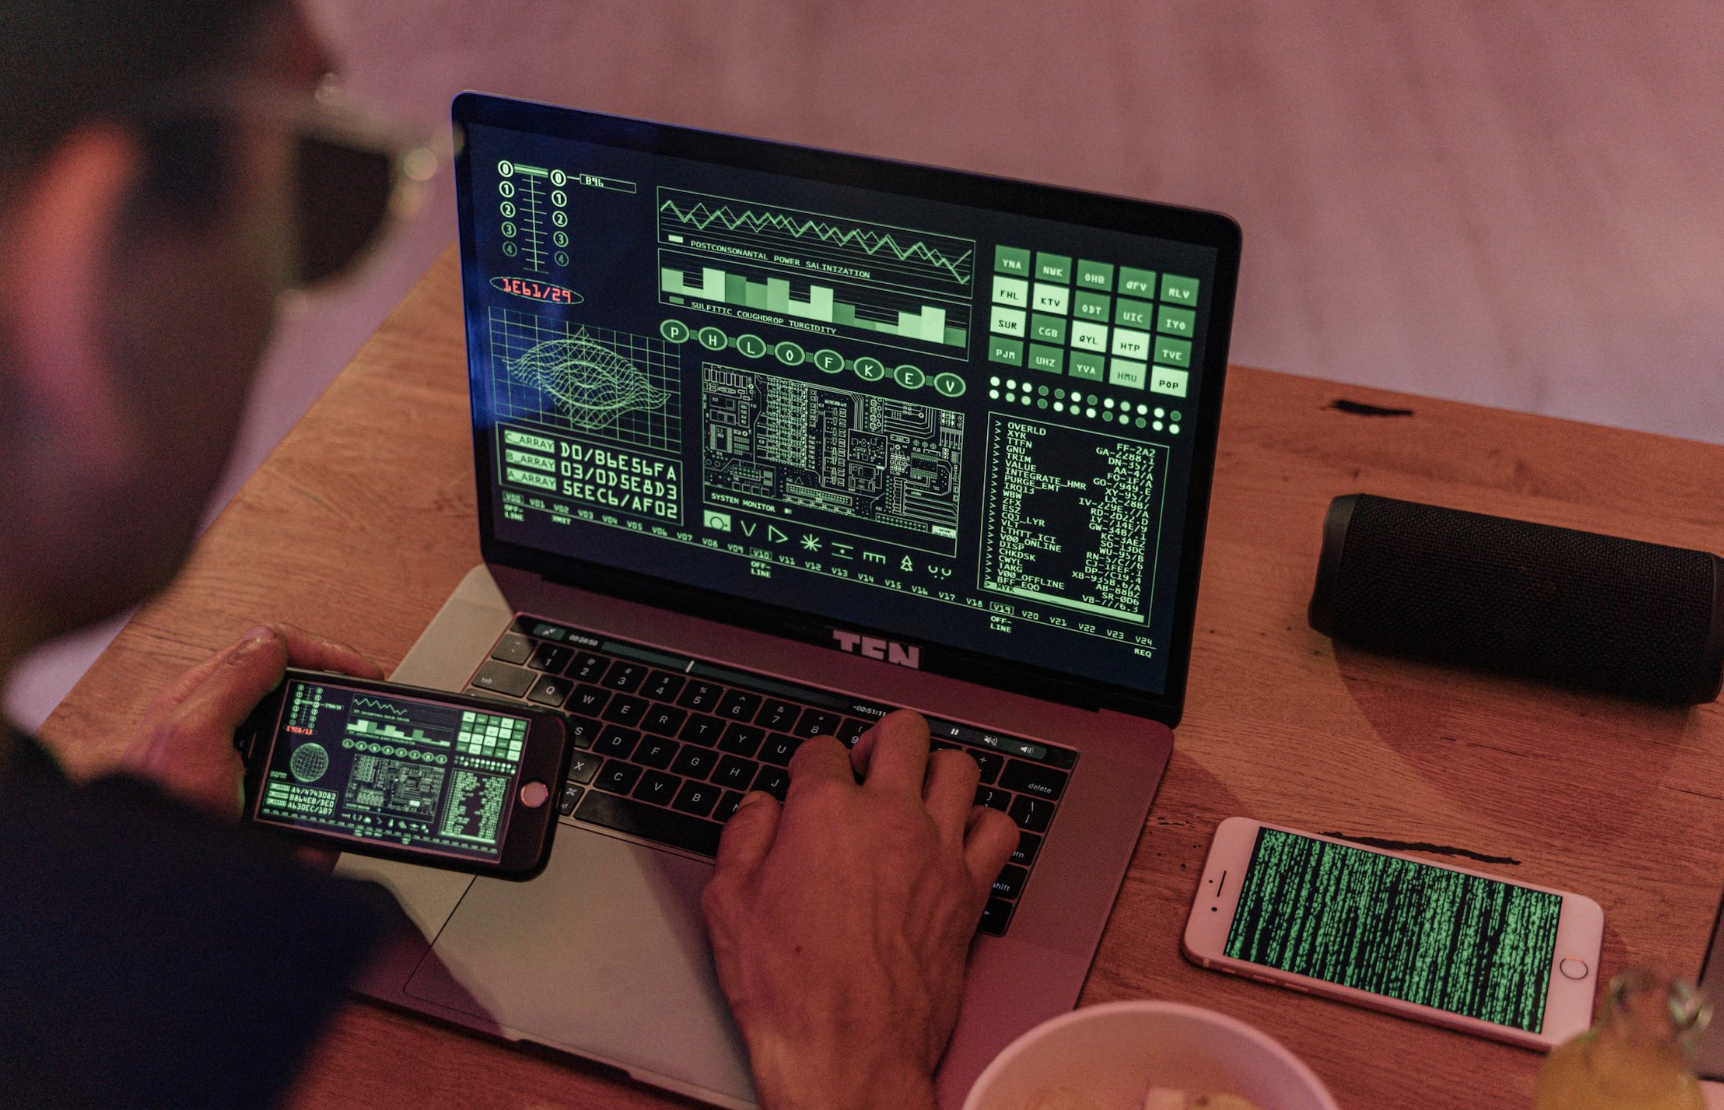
x: 665, y: 747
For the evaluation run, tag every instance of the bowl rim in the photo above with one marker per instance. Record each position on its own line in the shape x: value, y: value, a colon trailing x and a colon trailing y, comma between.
x: 1147, y: 1005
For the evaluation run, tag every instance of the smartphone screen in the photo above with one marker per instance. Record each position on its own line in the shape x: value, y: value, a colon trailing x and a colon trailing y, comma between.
x: 1463, y: 943
x: 405, y: 771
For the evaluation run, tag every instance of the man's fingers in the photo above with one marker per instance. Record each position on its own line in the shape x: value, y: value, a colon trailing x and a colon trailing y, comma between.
x: 893, y: 755
x: 231, y: 690
x: 950, y: 793
x: 820, y: 758
x: 313, y: 652
x: 747, y: 836
x: 992, y: 839
x: 181, y: 687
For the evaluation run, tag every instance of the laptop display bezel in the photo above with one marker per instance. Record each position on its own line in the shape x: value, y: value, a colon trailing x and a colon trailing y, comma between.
x: 1200, y: 228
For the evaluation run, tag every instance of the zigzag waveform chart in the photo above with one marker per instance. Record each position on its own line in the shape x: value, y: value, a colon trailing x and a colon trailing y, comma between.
x: 891, y: 255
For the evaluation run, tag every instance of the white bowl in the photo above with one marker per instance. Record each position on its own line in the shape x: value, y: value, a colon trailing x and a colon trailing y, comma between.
x: 1113, y: 1051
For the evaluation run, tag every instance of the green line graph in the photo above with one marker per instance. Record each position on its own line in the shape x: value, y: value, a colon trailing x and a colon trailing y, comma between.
x: 815, y: 242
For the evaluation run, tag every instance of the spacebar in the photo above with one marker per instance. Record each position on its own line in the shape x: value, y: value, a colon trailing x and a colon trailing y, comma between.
x: 626, y: 815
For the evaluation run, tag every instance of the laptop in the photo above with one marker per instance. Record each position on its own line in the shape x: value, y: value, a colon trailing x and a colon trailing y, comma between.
x: 769, y: 441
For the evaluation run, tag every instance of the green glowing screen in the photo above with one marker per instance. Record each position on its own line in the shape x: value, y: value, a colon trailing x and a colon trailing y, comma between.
x: 1410, y: 931
x: 403, y: 771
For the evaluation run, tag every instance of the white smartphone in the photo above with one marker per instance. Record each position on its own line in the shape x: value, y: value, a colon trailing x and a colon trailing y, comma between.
x: 1446, y: 945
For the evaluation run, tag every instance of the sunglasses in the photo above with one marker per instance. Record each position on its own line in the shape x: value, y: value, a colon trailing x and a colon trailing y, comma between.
x: 355, y: 176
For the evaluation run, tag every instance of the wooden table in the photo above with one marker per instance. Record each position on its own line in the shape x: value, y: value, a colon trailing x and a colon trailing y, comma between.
x: 363, y: 520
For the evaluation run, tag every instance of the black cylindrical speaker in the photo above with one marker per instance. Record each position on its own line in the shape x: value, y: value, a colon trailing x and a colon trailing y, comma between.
x: 1578, y: 608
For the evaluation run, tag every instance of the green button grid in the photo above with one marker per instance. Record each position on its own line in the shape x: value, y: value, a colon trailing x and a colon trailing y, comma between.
x: 1126, y: 372
x: 1133, y: 314
x: 1012, y: 260
x: 1094, y: 275
x: 1088, y: 367
x: 1051, y: 359
x: 1091, y: 306
x: 1007, y: 321
x: 1131, y: 344
x: 1012, y: 291
x: 1052, y: 298
x: 1173, y: 352
x: 1176, y: 321
x: 1048, y: 329
x: 1053, y: 267
x: 1008, y: 351
x: 1090, y: 337
x: 1136, y: 283
x: 1180, y: 290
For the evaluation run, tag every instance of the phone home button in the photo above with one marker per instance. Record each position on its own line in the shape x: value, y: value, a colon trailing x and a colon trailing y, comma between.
x: 1573, y: 967
x: 534, y: 795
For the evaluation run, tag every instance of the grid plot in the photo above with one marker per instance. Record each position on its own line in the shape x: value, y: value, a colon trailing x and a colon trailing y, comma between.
x: 485, y: 735
x: 574, y: 378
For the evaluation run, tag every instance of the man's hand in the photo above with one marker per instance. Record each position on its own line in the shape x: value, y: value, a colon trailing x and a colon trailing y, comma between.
x: 841, y: 921
x: 185, y: 745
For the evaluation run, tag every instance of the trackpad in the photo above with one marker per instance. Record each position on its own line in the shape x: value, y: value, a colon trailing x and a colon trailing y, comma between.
x: 604, y: 954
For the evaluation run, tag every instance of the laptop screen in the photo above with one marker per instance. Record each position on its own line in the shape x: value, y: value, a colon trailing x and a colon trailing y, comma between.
x: 928, y: 424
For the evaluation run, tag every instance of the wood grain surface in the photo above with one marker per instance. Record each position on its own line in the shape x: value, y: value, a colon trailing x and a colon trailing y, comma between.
x: 363, y: 520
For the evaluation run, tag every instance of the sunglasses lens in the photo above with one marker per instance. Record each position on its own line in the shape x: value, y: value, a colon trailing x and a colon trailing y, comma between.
x: 344, y: 198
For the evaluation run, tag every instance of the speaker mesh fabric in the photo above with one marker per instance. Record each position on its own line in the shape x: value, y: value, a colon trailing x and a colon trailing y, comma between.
x: 1574, y: 607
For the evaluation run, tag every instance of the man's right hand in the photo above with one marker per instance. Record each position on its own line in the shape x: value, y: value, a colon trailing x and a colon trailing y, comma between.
x: 841, y: 923
x: 185, y: 744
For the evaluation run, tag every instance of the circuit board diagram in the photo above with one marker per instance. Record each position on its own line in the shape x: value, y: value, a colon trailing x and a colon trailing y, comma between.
x: 394, y: 787
x: 877, y: 467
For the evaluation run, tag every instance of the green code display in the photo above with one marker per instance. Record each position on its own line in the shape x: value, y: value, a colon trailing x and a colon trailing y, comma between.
x: 1410, y: 931
x: 405, y: 771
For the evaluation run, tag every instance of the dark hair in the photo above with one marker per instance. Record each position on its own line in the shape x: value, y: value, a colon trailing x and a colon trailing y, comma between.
x: 69, y: 61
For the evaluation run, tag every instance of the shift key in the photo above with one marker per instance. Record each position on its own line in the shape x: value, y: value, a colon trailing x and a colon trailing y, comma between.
x: 625, y: 815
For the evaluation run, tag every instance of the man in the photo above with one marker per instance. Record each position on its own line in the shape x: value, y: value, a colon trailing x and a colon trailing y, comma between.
x: 152, y: 953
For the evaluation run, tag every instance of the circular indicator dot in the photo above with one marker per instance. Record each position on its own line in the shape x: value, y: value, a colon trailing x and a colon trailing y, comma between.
x: 510, y: 250
x: 560, y: 219
x: 674, y: 331
x: 1159, y: 413
x: 1176, y: 416
x: 790, y: 354
x: 829, y: 360
x: 1010, y: 384
x: 1089, y: 412
x: 346, y: 743
x: 508, y: 231
x: 993, y: 395
x: 949, y: 385
x: 994, y: 381
x: 713, y: 339
x: 505, y: 169
x: 1059, y: 394
x: 1041, y: 403
x: 1026, y: 397
x: 751, y: 345
x: 1141, y: 422
x: 562, y: 258
x: 1059, y: 406
x: 506, y: 188
x: 559, y: 178
x: 561, y: 238
x: 559, y: 198
x: 1108, y: 402
x: 869, y: 368
x: 1174, y: 428
x: 910, y: 377
x: 1156, y: 426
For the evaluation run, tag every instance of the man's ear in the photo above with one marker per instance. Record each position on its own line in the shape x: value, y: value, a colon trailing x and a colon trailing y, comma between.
x: 56, y: 277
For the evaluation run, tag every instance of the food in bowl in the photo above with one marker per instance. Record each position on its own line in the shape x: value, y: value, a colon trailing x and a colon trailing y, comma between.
x: 1155, y: 1098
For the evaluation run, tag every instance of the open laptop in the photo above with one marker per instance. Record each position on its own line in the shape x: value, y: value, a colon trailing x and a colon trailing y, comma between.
x: 770, y: 440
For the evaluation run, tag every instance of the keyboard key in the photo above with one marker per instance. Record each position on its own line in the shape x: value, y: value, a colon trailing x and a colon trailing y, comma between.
x: 619, y: 776
x: 702, y: 729
x: 1033, y: 778
x: 850, y: 730
x: 993, y: 798
x: 663, y: 826
x: 702, y: 697
x: 777, y: 715
x: 697, y: 798
x: 589, y: 700
x: 1028, y: 845
x: 694, y: 762
x: 551, y: 658
x: 501, y: 678
x: 513, y: 648
x: 735, y: 772
x: 624, y: 676
x: 773, y: 780
x: 727, y: 805
x: 549, y: 690
x: 1010, y: 884
x: 816, y: 722
x: 587, y: 667
x: 738, y: 705
x: 544, y: 630
x: 660, y: 789
x: 741, y: 740
x: 616, y: 742
x: 664, y: 719
x: 655, y: 752
x: 989, y: 763
x: 625, y: 710
x: 662, y: 686
x: 995, y: 918
x: 571, y: 795
x: 779, y: 748
x: 1032, y: 813
x: 583, y: 730
x: 583, y: 766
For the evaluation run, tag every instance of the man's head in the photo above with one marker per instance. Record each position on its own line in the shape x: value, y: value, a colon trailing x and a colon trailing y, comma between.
x: 146, y: 223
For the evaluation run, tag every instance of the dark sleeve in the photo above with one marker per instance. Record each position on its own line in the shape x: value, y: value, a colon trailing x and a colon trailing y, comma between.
x: 153, y: 957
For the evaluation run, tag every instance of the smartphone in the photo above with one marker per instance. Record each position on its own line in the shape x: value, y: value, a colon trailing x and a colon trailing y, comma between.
x: 1447, y: 945
x: 447, y: 780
